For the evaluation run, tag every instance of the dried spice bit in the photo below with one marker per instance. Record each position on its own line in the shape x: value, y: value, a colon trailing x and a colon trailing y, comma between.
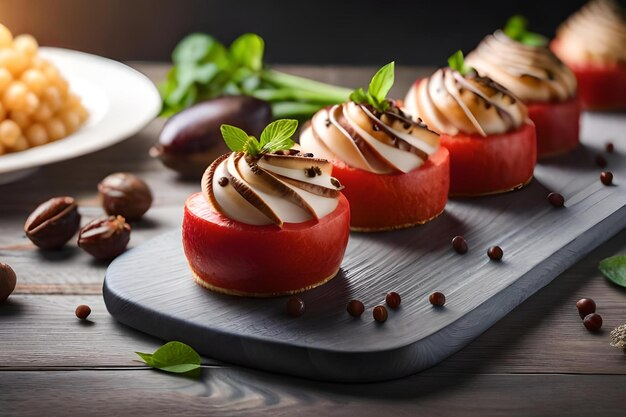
x: 295, y: 306
x: 308, y: 155
x: 556, y: 199
x: 8, y: 280
x: 495, y: 253
x: 437, y: 299
x: 393, y: 299
x: 380, y: 314
x: 223, y: 181
x: 585, y: 307
x: 606, y: 177
x: 53, y: 223
x: 459, y: 244
x: 601, y: 161
x: 593, y: 322
x: 355, y: 308
x: 317, y: 170
x: 610, y: 148
x: 105, y: 238
x: 82, y: 311
x: 310, y: 172
x: 618, y: 337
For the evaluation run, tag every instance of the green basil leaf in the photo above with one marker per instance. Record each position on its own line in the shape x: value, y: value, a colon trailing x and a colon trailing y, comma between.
x: 174, y: 357
x: 278, y: 131
x: 194, y: 48
x: 235, y: 138
x: 359, y: 96
x: 247, y: 50
x: 614, y: 268
x: 515, y: 27
x: 382, y: 82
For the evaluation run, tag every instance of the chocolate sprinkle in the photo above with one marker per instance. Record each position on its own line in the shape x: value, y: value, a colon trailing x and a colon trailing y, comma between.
x: 223, y: 181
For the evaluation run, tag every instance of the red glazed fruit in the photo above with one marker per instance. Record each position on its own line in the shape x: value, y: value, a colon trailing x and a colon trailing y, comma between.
x: 236, y: 258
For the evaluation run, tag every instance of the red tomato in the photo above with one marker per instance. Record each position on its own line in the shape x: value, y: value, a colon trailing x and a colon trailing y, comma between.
x: 557, y: 125
x: 493, y: 164
x: 599, y: 87
x: 240, y: 259
x: 394, y: 201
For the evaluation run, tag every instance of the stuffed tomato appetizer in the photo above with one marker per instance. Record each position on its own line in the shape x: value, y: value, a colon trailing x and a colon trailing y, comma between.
x: 522, y: 62
x: 492, y: 143
x: 592, y: 42
x: 269, y: 221
x: 395, y: 173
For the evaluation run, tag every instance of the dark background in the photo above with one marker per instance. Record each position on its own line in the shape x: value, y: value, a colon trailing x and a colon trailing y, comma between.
x: 321, y: 31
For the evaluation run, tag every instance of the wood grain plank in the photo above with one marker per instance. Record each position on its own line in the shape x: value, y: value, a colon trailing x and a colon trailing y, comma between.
x: 228, y: 392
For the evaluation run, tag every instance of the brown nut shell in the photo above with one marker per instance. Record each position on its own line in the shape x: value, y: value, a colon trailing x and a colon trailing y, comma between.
x: 105, y: 238
x: 124, y: 194
x: 8, y: 280
x: 53, y: 223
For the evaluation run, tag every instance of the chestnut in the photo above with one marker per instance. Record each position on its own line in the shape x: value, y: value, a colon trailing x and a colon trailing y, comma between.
x: 191, y: 139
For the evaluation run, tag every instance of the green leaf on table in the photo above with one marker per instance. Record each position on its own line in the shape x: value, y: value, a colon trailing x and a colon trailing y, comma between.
x: 516, y: 29
x: 614, y: 268
x: 247, y: 50
x: 376, y: 94
x: 234, y: 137
x: 457, y: 63
x: 173, y: 357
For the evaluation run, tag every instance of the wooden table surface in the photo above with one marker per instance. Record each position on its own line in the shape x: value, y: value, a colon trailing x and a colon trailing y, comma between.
x: 539, y: 360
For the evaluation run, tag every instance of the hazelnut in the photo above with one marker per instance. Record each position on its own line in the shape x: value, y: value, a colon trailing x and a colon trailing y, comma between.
x: 124, y: 194
x: 105, y: 238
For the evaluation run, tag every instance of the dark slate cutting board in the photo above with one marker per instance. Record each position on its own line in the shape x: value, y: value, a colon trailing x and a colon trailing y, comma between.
x: 150, y: 288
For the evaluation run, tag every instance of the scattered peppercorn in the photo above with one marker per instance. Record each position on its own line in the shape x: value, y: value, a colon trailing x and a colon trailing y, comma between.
x: 585, y: 307
x: 601, y: 161
x: 82, y: 311
x: 223, y: 182
x: 459, y: 244
x: 556, y: 199
x: 295, y: 306
x: 609, y: 147
x: 495, y: 253
x: 355, y: 308
x: 606, y: 177
x: 393, y: 299
x: 380, y: 314
x: 437, y: 299
x: 593, y: 322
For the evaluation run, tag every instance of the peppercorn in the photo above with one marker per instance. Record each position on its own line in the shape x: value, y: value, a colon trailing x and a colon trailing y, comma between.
x: 82, y: 311
x: 459, y: 244
x: 593, y: 322
x: 606, y: 177
x: 495, y: 253
x: 437, y: 299
x: 585, y: 307
x: 556, y: 199
x: 295, y: 306
x: 380, y: 314
x: 393, y: 299
x: 355, y: 308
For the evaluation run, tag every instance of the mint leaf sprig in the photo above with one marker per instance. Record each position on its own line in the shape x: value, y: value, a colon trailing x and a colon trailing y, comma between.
x: 275, y: 137
x: 376, y: 94
x: 515, y: 29
x: 175, y: 357
x: 614, y: 269
x: 204, y: 68
x: 457, y: 63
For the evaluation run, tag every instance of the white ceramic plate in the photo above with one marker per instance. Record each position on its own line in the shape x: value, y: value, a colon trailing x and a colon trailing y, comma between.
x: 120, y: 101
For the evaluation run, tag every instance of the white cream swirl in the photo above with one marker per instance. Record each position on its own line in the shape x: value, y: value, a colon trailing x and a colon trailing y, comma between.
x: 364, y: 138
x: 451, y: 103
x: 285, y: 187
x: 532, y: 73
x: 596, y: 34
